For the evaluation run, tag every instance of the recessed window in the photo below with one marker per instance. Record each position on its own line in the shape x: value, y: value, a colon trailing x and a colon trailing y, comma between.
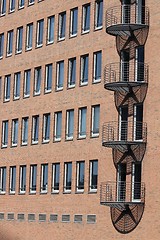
x: 62, y: 26
x: 44, y: 178
x: 24, y: 131
x: 95, y: 120
x: 30, y: 2
x: 1, y: 44
x: 93, y: 175
x: 29, y: 36
x: 97, y: 67
x: 55, y: 177
x: 73, y: 22
x: 37, y: 81
x: 27, y: 80
x: 12, y: 185
x: 99, y: 14
x: 35, y: 129
x: 86, y: 18
x: 12, y: 5
x: 48, y: 78
x: 57, y: 126
x: 50, y: 32
x: 46, y: 127
x: 7, y: 86
x: 40, y: 29
x: 9, y: 43
x: 19, y: 40
x: 5, y: 133
x: 67, y: 177
x: 84, y: 70
x: 22, y: 185
x: 60, y: 75
x: 72, y: 72
x: 82, y: 122
x: 2, y: 180
x: 69, y: 124
x: 3, y: 7
x: 17, y: 80
x: 80, y: 176
x: 14, y: 132
x: 21, y: 4
x: 33, y: 178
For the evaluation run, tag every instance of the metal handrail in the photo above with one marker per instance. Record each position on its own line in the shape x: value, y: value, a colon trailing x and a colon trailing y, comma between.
x: 127, y: 14
x: 122, y: 192
x: 126, y: 72
x: 124, y: 131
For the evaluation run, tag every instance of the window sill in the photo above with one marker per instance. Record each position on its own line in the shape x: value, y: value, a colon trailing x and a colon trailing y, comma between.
x: 85, y: 32
x: 49, y: 43
x: 26, y: 96
x: 61, y: 39
x: 4, y: 146
x: 45, y: 141
x: 12, y: 193
x: 67, y: 192
x: 57, y: 140
x: 68, y: 139
x: 34, y: 143
x: 6, y: 100
x: 59, y: 89
x: 96, y: 81
x: 13, y: 145
x: 71, y: 86
x: 98, y: 28
x: 47, y: 91
x: 95, y: 135
x: 55, y: 192
x: 81, y: 137
x: 2, y: 193
x: 24, y: 144
x: 18, y: 52
x: 32, y: 193
x: 73, y: 36
x: 16, y: 98
x: 28, y: 49
x: 79, y: 191
x: 39, y: 46
x: 43, y: 192
x: 11, y: 11
x: 92, y: 191
x: 36, y: 94
x: 30, y: 4
x: 20, y: 8
x: 9, y: 55
x: 22, y: 193
x: 83, y: 84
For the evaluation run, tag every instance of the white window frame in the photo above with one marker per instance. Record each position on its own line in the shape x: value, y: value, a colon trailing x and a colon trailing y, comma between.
x: 54, y: 173
x: 25, y: 83
x: 72, y: 22
x: 65, y: 177
x: 35, y: 121
x: 2, y: 7
x: 95, y: 67
x: 20, y: 5
x: 58, y: 88
x: 47, y: 89
x: 30, y: 2
x: 55, y: 126
x: 84, y: 14
x: 71, y: 63
x: 29, y: 36
x: 10, y: 6
x: 7, y: 80
x: 22, y: 168
x: 46, y: 124
x: 24, y: 141
x: 82, y: 135
x: 19, y: 40
x: 90, y: 178
x: 92, y: 125
x: 49, y: 28
x: 62, y: 17
x: 67, y: 125
x: 77, y: 177
x: 15, y: 125
x: 9, y: 38
x: 3, y: 180
x: 39, y: 22
x: 82, y: 82
x: 36, y: 79
x: 10, y: 180
x: 42, y: 178
x: 17, y: 77
x: 1, y: 45
x: 4, y: 133
x: 31, y: 178
x: 96, y: 15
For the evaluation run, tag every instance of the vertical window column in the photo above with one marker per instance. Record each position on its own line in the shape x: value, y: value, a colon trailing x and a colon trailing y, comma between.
x: 97, y: 66
x: 33, y: 178
x: 67, y: 177
x: 3, y: 7
x: 73, y: 22
x: 1, y: 44
x: 57, y: 126
x: 48, y: 78
x: 14, y: 132
x: 55, y: 177
x: 84, y: 69
x: 5, y: 133
x: 27, y: 79
x: 9, y: 43
x: 99, y: 14
x: 46, y: 127
x: 7, y: 87
x: 44, y: 178
x: 70, y: 124
x: 86, y: 18
x: 24, y: 131
x: 29, y: 36
x: 17, y: 79
x: 40, y: 29
x: 82, y: 122
x: 60, y: 75
x: 93, y: 175
x: 50, y: 32
x: 22, y: 187
x: 12, y: 187
x: 2, y: 180
x: 37, y: 81
x: 72, y: 72
x: 95, y: 121
x: 19, y: 40
x: 35, y: 129
x: 62, y: 26
x: 80, y: 176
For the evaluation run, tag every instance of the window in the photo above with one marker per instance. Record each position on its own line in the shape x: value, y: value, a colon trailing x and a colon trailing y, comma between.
x: 99, y: 14
x: 37, y: 81
x: 86, y: 18
x: 30, y: 2
x: 67, y: 177
x: 29, y: 36
x: 46, y: 127
x: 27, y: 79
x: 62, y: 26
x: 14, y: 132
x: 70, y: 124
x: 35, y: 129
x: 12, y: 186
x: 84, y: 69
x: 22, y: 187
x: 95, y: 120
x: 4, y: 133
x: 1, y: 44
x: 7, y: 86
x: 48, y: 78
x: 21, y: 4
x: 11, y: 5
x: 2, y: 179
x: 82, y: 122
x: 97, y: 66
x: 40, y: 26
x: 72, y: 72
x: 44, y: 178
x: 50, y: 32
x: 58, y: 126
x: 55, y: 177
x: 60, y: 75
x: 19, y: 39
x: 3, y: 7
x: 80, y: 176
x: 93, y: 175
x: 9, y: 43
x: 73, y: 22
x: 33, y: 178
x: 17, y: 79
x: 24, y: 131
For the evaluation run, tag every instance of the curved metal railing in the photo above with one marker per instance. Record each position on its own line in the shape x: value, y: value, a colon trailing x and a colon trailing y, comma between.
x: 127, y: 14
x: 122, y: 192
x: 124, y: 132
x: 126, y: 72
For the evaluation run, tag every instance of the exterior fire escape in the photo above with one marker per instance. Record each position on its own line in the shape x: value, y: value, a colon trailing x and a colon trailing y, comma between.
x: 127, y: 137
